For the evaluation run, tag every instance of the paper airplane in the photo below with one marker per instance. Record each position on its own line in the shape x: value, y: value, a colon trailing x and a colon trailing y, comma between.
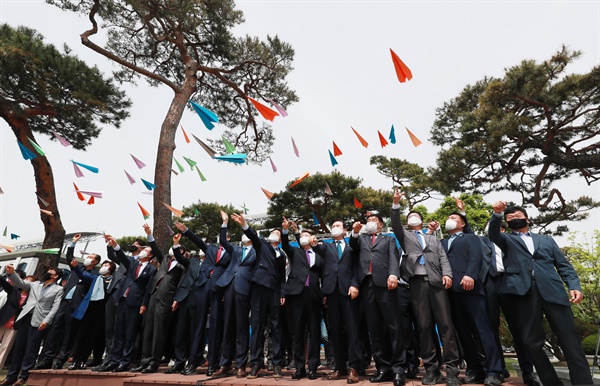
x: 91, y: 193
x: 229, y: 148
x: 295, y: 148
x: 187, y: 139
x: 91, y: 201
x: 138, y: 163
x: 83, y: 253
x: 415, y: 141
x: 26, y: 153
x: 207, y: 116
x: 279, y: 109
x: 50, y: 251
x: 5, y: 229
x: 129, y: 178
x: 9, y: 248
x: 1, y: 191
x: 211, y: 152
x: 265, y: 111
x: 336, y: 150
x: 149, y: 185
x: 235, y: 158
x: 46, y: 212
x: 79, y: 195
x: 315, y: 219
x: 36, y: 147
x: 382, y: 140
x: 190, y: 162
x: 328, y: 189
x: 61, y: 139
x: 176, y: 212
x: 42, y: 200
x: 273, y: 165
x: 267, y: 193
x: 392, y: 136
x: 179, y: 166
x: 170, y: 230
x: 402, y: 71
x: 299, y: 180
x: 202, y: 178
x: 78, y: 172
x: 357, y: 203
x: 92, y: 169
x: 174, y: 171
x: 144, y: 212
x: 245, y: 208
x: 360, y: 138
x: 332, y: 159
x: 14, y: 236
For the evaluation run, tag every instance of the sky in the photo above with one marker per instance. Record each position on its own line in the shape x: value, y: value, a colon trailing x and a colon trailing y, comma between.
x: 344, y: 77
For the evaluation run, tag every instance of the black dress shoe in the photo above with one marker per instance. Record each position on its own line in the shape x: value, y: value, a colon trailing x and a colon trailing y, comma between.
x: 399, y: 379
x: 210, y: 371
x: 176, y: 369
x: 529, y: 379
x: 77, y: 366
x: 412, y: 372
x: 139, y: 369
x: 299, y: 373
x: 151, y: 368
x: 121, y: 369
x: 492, y: 380
x: 108, y: 367
x: 58, y: 365
x: 254, y: 371
x: 92, y: 363
x: 475, y: 378
x: 277, y: 372
x: 381, y: 377
x: 43, y: 366
x: 189, y: 370
x: 312, y: 374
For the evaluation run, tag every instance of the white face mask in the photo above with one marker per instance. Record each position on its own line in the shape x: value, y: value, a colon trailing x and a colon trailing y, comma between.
x: 142, y: 255
x: 304, y: 240
x: 245, y: 239
x: 414, y: 221
x: 88, y: 261
x: 103, y: 270
x: 371, y: 227
x: 451, y: 225
x: 273, y: 238
x: 337, y: 231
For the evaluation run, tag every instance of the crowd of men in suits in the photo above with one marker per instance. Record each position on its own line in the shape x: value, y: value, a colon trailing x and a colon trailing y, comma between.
x: 400, y: 300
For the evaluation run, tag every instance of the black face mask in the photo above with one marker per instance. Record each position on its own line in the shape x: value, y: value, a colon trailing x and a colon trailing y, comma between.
x: 132, y: 248
x: 47, y: 276
x: 517, y: 223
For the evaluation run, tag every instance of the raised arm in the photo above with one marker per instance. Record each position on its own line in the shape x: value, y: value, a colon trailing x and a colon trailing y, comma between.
x: 496, y: 236
x: 115, y: 253
x: 285, y: 239
x: 85, y: 277
x: 396, y: 223
x: 223, y: 234
x: 248, y: 231
x: 71, y: 248
x: 16, y: 280
x: 177, y: 253
x: 192, y: 236
x: 155, y: 249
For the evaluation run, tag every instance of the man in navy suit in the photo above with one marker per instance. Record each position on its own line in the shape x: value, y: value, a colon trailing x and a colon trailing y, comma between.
x: 132, y: 298
x: 378, y: 273
x: 340, y: 287
x: 235, y: 285
x: 465, y: 254
x: 303, y: 296
x: 534, y: 272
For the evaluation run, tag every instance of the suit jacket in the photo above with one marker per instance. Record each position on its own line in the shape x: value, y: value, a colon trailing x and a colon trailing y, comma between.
x: 238, y: 272
x: 140, y: 286
x: 436, y: 261
x: 269, y: 269
x: 11, y: 307
x: 43, y: 303
x: 337, y: 273
x: 190, y: 275
x: 300, y: 271
x: 383, y: 254
x: 210, y: 270
x: 550, y: 266
x: 118, y: 275
x: 166, y: 279
x: 465, y: 255
x: 81, y: 287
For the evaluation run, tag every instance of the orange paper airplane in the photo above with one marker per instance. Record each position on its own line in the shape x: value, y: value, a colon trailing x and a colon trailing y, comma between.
x: 361, y: 139
x: 415, y: 141
x: 144, y: 212
x: 336, y: 150
x: 176, y: 212
x: 267, y: 113
x: 187, y: 139
x: 382, y: 139
x: 402, y: 70
x: 299, y: 180
x: 79, y: 195
x: 267, y: 193
x: 46, y: 212
x: 91, y: 201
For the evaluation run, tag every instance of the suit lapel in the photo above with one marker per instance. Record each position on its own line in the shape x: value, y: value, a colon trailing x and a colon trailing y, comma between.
x: 522, y: 243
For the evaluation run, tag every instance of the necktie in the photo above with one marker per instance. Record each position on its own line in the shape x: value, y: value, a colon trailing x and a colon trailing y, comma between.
x: 244, y: 251
x: 419, y: 237
x: 219, y: 252
x: 308, y: 259
x: 137, y: 272
x: 339, y: 249
x: 451, y: 239
x: 373, y: 238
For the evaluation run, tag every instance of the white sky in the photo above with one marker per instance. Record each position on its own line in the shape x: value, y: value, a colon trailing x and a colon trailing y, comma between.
x: 344, y: 77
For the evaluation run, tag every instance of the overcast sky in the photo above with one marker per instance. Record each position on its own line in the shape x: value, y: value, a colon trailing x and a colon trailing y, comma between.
x: 344, y: 77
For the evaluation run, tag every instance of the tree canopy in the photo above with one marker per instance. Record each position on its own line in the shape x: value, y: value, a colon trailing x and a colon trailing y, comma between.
x: 523, y: 133
x: 42, y: 90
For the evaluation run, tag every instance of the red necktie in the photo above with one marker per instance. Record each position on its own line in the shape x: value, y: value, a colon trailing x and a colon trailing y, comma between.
x: 217, y: 258
x: 137, y: 272
x: 373, y: 238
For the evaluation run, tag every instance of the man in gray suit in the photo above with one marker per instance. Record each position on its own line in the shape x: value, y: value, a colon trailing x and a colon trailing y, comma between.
x: 534, y: 272
x: 426, y: 268
x: 37, y: 314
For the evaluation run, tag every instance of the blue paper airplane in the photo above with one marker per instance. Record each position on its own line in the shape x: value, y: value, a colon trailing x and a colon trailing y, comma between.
x: 207, y: 116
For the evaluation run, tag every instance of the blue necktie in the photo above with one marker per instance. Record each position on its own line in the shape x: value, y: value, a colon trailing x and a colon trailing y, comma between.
x: 339, y: 249
x: 451, y: 239
x: 244, y: 251
x: 421, y: 258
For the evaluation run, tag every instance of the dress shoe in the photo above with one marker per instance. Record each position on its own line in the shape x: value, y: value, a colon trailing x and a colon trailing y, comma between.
x: 291, y: 365
x: 121, y: 369
x: 254, y: 371
x: 210, y: 371
x: 151, y: 368
x: 381, y: 377
x: 505, y: 374
x: 277, y: 372
x: 77, y: 366
x: 299, y: 373
x: 474, y: 378
x: 20, y: 382
x: 411, y: 372
x: 58, y: 365
x: 270, y: 366
x: 43, y: 366
x: 222, y: 372
x: 529, y: 379
x: 108, y: 367
x: 176, y: 369
x: 7, y: 382
x: 337, y: 374
x: 312, y: 375
x: 352, y: 376
x: 431, y: 377
x: 139, y: 369
x: 92, y: 363
x: 189, y: 369
x: 452, y: 380
x: 399, y: 379
x: 241, y: 373
x: 492, y: 380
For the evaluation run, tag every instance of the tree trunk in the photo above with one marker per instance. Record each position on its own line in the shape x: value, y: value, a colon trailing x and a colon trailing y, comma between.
x: 164, y: 161
x: 44, y: 183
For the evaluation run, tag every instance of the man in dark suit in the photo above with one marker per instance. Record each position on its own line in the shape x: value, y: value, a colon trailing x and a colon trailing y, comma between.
x: 215, y: 262
x: 235, y: 285
x: 378, y: 273
x: 339, y: 280
x: 268, y: 279
x: 426, y: 268
x: 159, y: 314
x: 302, y: 293
x: 534, y: 272
x: 132, y: 301
x: 465, y: 254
